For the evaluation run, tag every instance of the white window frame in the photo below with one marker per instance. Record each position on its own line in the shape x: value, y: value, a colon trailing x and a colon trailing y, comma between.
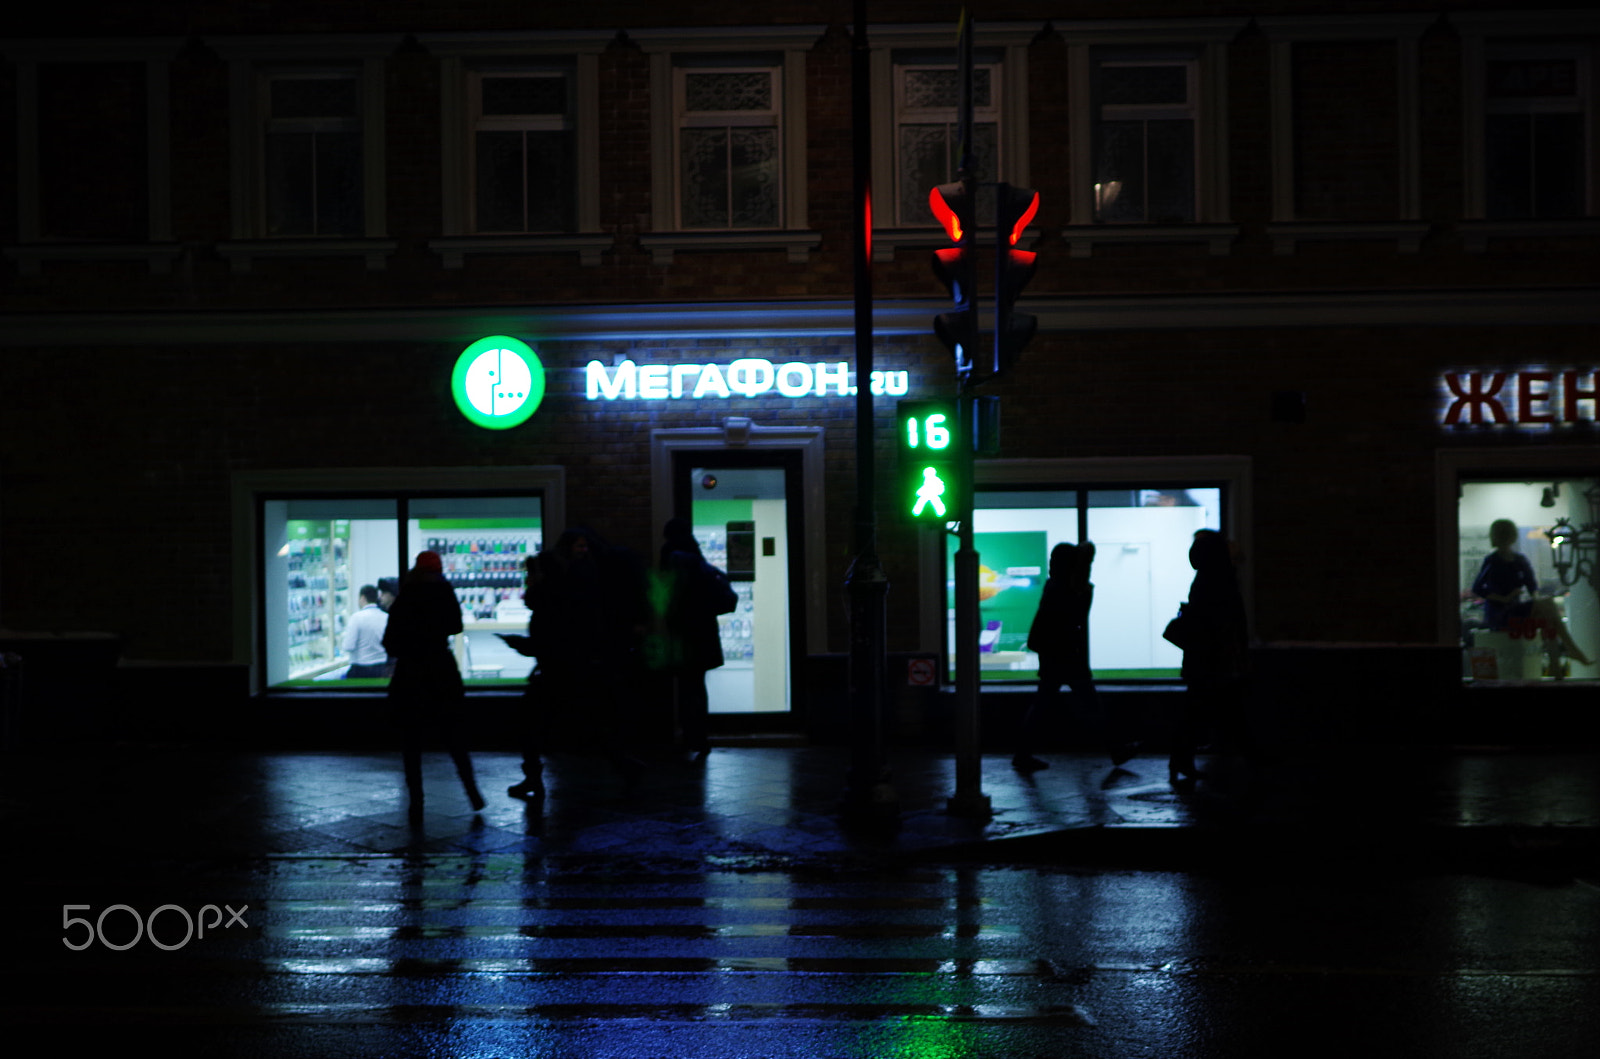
x: 461, y: 54
x: 252, y: 61
x: 1580, y: 103
x: 1189, y: 110
x: 666, y: 238
x: 905, y: 114
x: 1405, y: 31
x: 478, y: 122
x: 267, y: 124
x: 1207, y: 41
x: 684, y: 118
x: 1481, y: 34
x: 159, y: 250
x: 1009, y: 84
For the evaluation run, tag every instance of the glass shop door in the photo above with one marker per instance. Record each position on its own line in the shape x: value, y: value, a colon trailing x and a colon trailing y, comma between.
x: 743, y: 517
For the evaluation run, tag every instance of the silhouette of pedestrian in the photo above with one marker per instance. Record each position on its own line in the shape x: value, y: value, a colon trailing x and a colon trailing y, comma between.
x: 587, y: 602
x: 538, y: 573
x: 1060, y: 637
x: 1215, y: 654
x: 690, y: 594
x: 426, y: 692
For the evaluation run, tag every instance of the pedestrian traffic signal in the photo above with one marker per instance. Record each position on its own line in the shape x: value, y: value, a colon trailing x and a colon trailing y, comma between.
x: 1014, y: 209
x: 931, y: 441
x: 955, y: 207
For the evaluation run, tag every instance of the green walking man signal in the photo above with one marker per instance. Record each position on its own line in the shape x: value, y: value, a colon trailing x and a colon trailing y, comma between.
x: 930, y: 459
x: 929, y: 493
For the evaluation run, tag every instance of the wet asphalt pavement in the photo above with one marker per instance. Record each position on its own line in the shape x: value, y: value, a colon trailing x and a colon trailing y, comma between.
x: 1377, y: 902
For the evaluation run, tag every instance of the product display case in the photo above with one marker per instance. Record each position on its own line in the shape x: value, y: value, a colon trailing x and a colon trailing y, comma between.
x: 318, y: 594
x: 483, y: 561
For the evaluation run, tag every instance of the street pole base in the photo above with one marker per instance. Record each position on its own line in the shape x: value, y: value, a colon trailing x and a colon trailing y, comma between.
x: 974, y: 805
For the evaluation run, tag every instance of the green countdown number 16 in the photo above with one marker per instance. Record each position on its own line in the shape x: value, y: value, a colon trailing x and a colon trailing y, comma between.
x: 936, y: 434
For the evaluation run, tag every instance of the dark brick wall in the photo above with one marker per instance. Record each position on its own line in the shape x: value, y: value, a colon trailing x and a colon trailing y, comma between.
x: 115, y: 462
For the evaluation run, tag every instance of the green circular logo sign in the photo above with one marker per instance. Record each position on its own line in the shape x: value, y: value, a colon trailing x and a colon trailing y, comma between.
x: 498, y: 382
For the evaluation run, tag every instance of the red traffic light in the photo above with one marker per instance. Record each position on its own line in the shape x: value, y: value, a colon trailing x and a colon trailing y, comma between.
x: 952, y: 205
x: 1014, y: 210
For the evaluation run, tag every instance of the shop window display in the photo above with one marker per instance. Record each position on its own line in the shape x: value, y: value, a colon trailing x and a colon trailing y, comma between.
x: 320, y: 553
x: 1141, y: 572
x: 1544, y: 624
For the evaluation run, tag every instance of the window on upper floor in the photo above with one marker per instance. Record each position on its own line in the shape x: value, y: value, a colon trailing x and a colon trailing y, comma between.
x: 311, y: 153
x: 1145, y: 111
x: 1536, y: 120
x: 729, y: 143
x: 523, y: 150
x: 927, y: 98
x: 92, y: 152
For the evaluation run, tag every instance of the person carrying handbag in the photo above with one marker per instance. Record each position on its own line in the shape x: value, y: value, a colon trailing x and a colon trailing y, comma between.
x: 1216, y: 643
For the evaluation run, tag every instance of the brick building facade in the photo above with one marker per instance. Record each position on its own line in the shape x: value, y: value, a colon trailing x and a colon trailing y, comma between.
x: 251, y: 240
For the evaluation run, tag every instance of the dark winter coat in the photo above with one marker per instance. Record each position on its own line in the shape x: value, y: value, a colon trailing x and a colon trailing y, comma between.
x: 690, y: 595
x: 1059, y: 633
x: 1217, y: 651
x: 423, y: 618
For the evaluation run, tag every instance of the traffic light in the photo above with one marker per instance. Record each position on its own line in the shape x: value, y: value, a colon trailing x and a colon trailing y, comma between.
x: 931, y: 480
x: 955, y: 207
x: 1014, y: 210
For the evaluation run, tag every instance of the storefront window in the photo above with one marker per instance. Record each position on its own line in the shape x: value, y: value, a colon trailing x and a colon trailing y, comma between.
x: 1141, y: 572
x: 1528, y: 635
x: 320, y: 555
x: 483, y: 541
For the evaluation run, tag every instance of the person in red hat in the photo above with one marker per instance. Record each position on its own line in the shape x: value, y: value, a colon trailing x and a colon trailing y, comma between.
x: 426, y: 691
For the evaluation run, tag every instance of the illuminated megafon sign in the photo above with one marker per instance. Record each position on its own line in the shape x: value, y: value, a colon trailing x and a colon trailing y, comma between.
x: 1525, y: 398
x: 498, y: 382
x: 746, y: 377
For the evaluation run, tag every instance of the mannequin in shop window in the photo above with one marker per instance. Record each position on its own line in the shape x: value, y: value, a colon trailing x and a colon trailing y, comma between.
x: 425, y: 692
x: 1060, y: 637
x: 1506, y: 573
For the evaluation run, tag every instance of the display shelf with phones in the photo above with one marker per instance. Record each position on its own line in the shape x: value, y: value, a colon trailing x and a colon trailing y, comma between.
x: 483, y: 561
x: 318, y: 594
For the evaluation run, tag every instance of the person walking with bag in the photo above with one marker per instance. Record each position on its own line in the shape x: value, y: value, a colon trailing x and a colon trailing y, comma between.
x: 1059, y: 635
x: 690, y: 595
x: 1215, y: 641
x: 425, y: 692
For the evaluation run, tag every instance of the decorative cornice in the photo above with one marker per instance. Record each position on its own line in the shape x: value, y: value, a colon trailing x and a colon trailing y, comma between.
x: 727, y: 38
x: 824, y: 319
x: 587, y: 245
x: 545, y: 42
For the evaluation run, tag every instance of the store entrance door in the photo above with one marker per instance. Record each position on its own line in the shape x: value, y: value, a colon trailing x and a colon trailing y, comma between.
x: 745, y: 512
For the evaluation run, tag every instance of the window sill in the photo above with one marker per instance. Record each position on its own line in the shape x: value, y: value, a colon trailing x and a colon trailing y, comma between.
x: 1082, y: 238
x: 588, y: 246
x: 886, y: 242
x: 1475, y: 235
x: 158, y: 256
x: 798, y: 244
x: 241, y: 255
x: 1287, y: 236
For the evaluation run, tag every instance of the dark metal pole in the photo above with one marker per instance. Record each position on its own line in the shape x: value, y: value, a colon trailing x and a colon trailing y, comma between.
x: 969, y: 799
x: 870, y: 796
